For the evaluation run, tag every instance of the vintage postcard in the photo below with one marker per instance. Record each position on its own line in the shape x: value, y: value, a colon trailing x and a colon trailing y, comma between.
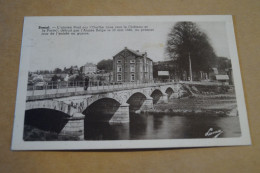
x: 129, y: 82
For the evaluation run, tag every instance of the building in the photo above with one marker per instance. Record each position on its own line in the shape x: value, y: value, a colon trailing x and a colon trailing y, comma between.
x: 230, y: 75
x: 163, y: 76
x: 132, y: 66
x: 224, y: 79
x: 89, y: 68
x: 169, y: 66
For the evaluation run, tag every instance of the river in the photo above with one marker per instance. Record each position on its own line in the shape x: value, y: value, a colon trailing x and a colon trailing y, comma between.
x: 174, y: 125
x: 155, y: 126
x: 167, y: 125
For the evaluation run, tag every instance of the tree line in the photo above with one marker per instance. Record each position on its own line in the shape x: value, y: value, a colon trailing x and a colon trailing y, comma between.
x: 190, y: 48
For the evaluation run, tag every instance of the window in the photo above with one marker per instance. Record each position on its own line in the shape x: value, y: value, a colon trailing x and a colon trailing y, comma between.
x: 119, y: 61
x: 132, y: 61
x: 132, y: 77
x: 119, y: 77
x: 132, y: 68
x: 119, y: 68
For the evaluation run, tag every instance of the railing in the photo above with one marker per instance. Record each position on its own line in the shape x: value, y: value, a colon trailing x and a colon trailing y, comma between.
x: 201, y: 82
x: 78, y: 86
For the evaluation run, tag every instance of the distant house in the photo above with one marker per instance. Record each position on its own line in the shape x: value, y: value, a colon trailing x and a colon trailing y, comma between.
x: 132, y: 66
x: 163, y: 76
x: 89, y: 68
x: 169, y: 66
x: 224, y: 79
x: 212, y: 73
x: 74, y: 70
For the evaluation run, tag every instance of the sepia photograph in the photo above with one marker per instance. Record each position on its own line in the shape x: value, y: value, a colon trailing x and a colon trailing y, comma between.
x: 129, y: 82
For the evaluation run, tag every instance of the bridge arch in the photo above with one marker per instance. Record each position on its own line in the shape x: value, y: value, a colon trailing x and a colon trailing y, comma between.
x: 156, y: 95
x: 52, y: 105
x: 169, y: 91
x: 136, y: 101
x: 101, y: 110
x: 46, y: 119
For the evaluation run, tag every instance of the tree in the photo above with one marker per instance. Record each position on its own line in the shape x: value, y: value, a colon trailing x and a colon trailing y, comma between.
x: 56, y: 78
x: 106, y: 65
x: 223, y: 63
x: 81, y: 70
x: 79, y: 77
x: 57, y: 71
x: 190, y: 47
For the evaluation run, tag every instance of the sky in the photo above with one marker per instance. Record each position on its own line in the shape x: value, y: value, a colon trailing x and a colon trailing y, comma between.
x: 50, y: 52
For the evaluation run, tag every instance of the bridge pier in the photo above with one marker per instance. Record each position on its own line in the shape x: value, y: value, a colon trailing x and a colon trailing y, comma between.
x: 74, y: 126
x: 147, y: 104
x: 174, y: 96
x: 121, y: 115
x: 163, y: 98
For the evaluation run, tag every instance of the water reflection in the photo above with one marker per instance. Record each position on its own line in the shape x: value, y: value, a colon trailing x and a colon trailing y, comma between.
x: 105, y: 131
x: 158, y: 126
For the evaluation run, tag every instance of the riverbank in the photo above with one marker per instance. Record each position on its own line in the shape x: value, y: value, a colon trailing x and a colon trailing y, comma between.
x: 200, y: 100
x: 222, y: 105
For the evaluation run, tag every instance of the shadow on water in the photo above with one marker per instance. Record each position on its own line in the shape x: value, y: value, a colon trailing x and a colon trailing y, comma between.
x: 38, y: 123
x: 105, y: 131
x: 44, y: 124
x: 164, y: 126
x: 96, y: 123
x: 46, y: 119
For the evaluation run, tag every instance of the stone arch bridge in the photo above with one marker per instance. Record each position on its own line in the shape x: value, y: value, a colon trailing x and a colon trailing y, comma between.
x: 105, y: 106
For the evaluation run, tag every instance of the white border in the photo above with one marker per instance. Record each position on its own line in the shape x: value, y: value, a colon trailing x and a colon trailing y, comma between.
x: 17, y: 139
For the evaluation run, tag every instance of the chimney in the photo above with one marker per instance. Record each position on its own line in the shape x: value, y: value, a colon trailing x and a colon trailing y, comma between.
x: 125, y: 47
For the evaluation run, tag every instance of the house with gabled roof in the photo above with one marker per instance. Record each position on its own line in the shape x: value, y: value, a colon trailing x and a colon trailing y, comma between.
x: 89, y: 68
x: 132, y: 66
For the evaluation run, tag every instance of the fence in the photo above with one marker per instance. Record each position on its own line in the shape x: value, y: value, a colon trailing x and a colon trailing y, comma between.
x: 78, y: 86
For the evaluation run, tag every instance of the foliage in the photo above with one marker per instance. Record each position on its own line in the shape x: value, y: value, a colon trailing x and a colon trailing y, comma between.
x: 106, y: 65
x: 79, y: 77
x: 56, y: 78
x: 38, y: 78
x: 57, y: 71
x: 185, y: 39
x: 223, y: 63
x: 76, y: 77
x: 81, y: 70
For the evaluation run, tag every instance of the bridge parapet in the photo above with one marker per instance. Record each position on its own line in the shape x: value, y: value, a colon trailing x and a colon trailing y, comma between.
x: 71, y: 103
x: 77, y: 91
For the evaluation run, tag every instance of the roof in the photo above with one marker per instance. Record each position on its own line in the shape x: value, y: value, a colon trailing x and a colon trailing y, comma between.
x: 222, y: 77
x: 89, y: 64
x: 135, y: 52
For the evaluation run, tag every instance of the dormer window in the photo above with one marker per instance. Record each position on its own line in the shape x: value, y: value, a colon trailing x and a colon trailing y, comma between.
x: 119, y: 61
